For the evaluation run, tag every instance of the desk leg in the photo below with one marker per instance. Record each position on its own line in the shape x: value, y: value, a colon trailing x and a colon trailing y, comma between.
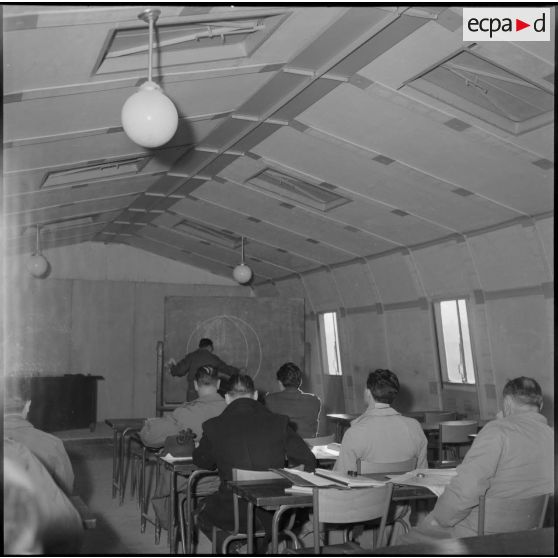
x: 172, y: 507
x: 115, y: 456
x: 250, y: 530
x: 188, y: 544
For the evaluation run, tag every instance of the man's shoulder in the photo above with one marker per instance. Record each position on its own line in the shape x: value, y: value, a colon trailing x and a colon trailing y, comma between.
x: 310, y: 396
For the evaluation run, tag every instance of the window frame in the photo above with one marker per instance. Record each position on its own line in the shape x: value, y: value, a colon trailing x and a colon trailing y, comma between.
x: 441, y: 351
x: 323, y: 343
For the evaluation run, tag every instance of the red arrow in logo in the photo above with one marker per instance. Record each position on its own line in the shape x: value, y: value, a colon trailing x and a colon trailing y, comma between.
x: 519, y: 25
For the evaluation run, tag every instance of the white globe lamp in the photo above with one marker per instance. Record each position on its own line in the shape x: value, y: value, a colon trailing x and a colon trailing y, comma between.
x: 37, y: 265
x: 242, y: 273
x: 149, y: 117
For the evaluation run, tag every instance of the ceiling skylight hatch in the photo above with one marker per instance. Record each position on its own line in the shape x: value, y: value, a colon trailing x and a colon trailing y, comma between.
x: 190, y: 42
x: 487, y: 91
x: 206, y: 232
x: 297, y: 189
x: 95, y: 172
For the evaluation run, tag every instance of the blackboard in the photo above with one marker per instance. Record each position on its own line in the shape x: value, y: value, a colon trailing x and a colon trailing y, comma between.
x: 256, y: 335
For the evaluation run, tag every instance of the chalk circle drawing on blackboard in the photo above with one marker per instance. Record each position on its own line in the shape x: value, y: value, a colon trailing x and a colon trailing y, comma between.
x: 247, y: 332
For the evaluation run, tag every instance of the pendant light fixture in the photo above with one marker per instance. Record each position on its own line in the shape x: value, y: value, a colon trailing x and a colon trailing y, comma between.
x: 242, y: 273
x: 149, y: 117
x: 37, y: 264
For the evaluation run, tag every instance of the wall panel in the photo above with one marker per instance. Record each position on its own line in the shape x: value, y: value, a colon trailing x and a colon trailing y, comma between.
x: 446, y: 269
x: 37, y: 325
x: 291, y: 288
x: 355, y: 285
x: 394, y: 278
x: 321, y: 290
x: 412, y: 358
x: 509, y: 258
x: 368, y: 347
x: 545, y: 228
x: 102, y: 339
x: 521, y: 345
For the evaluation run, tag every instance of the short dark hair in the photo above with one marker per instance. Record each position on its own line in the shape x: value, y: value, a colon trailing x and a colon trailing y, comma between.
x: 17, y: 393
x: 383, y: 385
x: 205, y: 342
x: 206, y: 376
x: 290, y: 375
x: 240, y: 384
x: 526, y: 391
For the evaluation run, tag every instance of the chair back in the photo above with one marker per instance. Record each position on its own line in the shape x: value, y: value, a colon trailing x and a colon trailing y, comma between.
x: 249, y: 475
x: 439, y: 416
x: 503, y: 515
x: 355, y: 505
x: 320, y: 440
x: 457, y: 431
x: 364, y: 467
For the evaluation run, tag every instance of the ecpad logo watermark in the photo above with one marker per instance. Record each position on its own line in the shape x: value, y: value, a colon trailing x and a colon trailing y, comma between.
x: 506, y: 24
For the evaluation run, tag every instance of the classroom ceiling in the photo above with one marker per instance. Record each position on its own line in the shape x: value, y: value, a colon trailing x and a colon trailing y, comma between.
x: 320, y: 134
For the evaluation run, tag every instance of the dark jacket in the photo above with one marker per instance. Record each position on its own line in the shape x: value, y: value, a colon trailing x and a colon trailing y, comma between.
x: 246, y: 436
x: 189, y: 365
x: 302, y: 408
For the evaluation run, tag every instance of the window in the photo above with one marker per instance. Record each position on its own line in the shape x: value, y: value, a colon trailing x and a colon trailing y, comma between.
x: 329, y: 342
x: 454, y: 341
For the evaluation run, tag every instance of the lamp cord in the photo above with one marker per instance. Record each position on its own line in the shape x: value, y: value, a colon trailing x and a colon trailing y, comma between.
x: 150, y: 57
x: 242, y: 262
x: 38, y: 250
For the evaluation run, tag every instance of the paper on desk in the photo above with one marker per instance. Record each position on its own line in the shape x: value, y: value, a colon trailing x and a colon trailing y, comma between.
x: 171, y: 459
x: 324, y: 452
x: 326, y: 478
x: 435, y: 480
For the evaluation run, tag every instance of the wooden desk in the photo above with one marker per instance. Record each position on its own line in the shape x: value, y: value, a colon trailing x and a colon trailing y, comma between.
x: 537, y: 542
x: 184, y: 467
x: 270, y: 495
x: 342, y: 421
x: 118, y: 427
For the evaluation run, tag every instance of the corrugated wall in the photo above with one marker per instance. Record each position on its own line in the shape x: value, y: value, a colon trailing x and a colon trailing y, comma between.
x: 386, y: 318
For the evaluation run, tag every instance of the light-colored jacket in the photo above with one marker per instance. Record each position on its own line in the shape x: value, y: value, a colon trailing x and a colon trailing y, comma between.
x: 48, y: 449
x: 511, y: 457
x: 382, y: 435
x: 190, y: 415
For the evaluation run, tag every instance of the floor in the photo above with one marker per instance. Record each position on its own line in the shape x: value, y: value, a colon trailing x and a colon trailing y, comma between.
x: 118, y: 526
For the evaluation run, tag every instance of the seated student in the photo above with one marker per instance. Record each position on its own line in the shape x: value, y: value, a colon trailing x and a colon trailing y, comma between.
x: 511, y: 457
x: 245, y: 436
x: 60, y: 525
x: 192, y: 414
x: 21, y: 512
x: 381, y: 434
x: 47, y: 448
x: 302, y: 408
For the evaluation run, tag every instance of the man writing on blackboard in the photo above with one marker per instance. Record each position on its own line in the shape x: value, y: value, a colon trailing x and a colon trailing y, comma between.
x: 202, y: 356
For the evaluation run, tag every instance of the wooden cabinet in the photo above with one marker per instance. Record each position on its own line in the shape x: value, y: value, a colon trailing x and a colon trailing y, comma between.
x: 63, y: 402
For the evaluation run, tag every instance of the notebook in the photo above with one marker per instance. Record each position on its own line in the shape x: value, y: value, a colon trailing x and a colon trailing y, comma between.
x: 324, y: 478
x: 435, y: 480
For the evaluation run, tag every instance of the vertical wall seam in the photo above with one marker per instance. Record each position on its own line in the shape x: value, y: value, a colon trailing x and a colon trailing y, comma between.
x: 433, y: 338
x: 347, y: 343
x: 383, y: 318
x: 544, y: 255
x: 481, y: 398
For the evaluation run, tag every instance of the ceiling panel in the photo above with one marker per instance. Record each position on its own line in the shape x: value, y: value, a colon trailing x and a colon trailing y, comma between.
x: 304, y: 137
x: 495, y: 173
x: 395, y: 185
